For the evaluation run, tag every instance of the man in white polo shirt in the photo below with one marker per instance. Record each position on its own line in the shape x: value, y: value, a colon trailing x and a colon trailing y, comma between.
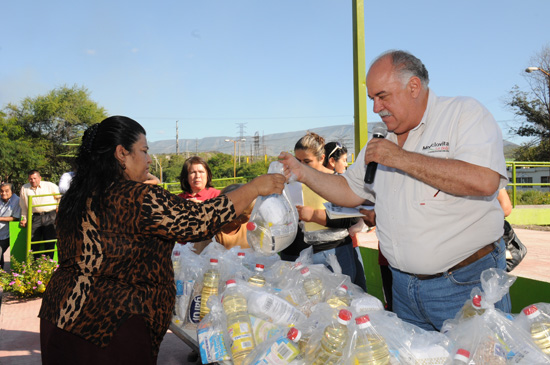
x: 439, y: 171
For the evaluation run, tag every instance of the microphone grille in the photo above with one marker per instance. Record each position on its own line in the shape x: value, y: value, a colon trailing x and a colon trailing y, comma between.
x: 380, y: 131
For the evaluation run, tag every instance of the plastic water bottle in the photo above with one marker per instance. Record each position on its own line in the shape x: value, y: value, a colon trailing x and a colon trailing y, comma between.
x: 461, y: 357
x: 239, y: 327
x: 370, y: 347
x: 278, y: 310
x: 540, y: 327
x: 473, y: 307
x: 313, y: 286
x: 340, y: 298
x: 334, y: 340
x: 258, y: 279
x: 282, y: 352
x: 211, y: 280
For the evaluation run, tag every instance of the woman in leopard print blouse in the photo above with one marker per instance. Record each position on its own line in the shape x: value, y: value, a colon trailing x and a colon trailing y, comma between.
x: 111, y: 299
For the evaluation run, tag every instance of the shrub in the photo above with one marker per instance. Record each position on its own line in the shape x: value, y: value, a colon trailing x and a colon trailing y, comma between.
x: 29, y: 278
x: 532, y: 197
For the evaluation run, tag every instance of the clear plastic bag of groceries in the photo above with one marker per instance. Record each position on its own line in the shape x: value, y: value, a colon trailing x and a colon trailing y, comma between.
x: 211, y: 334
x: 279, y: 349
x: 491, y: 336
x: 495, y: 284
x: 534, y: 320
x: 274, y: 220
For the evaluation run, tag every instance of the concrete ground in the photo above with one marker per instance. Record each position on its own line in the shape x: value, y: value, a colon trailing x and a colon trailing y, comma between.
x: 19, y: 324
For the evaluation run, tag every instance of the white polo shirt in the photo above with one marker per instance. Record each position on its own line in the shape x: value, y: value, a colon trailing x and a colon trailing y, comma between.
x: 422, y: 232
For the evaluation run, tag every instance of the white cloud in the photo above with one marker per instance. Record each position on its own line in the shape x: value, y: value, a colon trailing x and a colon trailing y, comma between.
x: 90, y: 52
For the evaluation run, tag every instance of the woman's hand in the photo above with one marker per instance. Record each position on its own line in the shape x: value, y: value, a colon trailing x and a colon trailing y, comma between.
x: 269, y: 184
x: 305, y: 213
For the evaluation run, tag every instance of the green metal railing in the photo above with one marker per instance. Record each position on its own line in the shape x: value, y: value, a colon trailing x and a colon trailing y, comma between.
x: 521, y: 164
x: 30, y: 242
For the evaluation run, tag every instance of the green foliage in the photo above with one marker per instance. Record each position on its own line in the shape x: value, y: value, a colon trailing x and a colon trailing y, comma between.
x: 33, y: 134
x: 28, y: 279
x: 534, y: 109
x: 532, y: 197
x: 533, y: 152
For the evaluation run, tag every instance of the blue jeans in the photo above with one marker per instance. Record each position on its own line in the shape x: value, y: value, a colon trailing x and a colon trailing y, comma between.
x: 427, y: 303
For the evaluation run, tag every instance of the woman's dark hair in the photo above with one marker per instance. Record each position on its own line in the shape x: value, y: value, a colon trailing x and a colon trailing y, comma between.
x: 184, y: 176
x: 96, y: 167
x: 334, y: 149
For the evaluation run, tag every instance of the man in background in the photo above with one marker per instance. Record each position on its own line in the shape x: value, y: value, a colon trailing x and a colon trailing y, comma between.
x: 43, y: 211
x: 9, y: 211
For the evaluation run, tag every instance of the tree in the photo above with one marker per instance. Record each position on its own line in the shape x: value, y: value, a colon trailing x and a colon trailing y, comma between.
x: 35, y: 132
x: 534, y: 107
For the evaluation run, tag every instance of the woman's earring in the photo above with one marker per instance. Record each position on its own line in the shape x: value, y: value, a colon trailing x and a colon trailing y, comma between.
x: 123, y: 166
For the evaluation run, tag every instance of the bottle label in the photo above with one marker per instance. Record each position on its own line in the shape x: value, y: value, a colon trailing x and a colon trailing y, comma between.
x: 179, y: 287
x: 211, y: 345
x: 241, y: 335
x: 282, y: 352
x: 195, y: 310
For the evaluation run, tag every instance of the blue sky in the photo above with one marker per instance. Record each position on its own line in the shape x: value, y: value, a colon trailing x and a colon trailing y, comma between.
x: 276, y: 65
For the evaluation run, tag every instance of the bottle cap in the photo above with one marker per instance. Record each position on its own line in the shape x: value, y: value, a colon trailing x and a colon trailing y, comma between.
x: 176, y: 253
x: 230, y: 282
x: 344, y: 316
x: 462, y: 355
x: 476, y: 301
x: 213, y: 261
x: 260, y: 267
x: 241, y: 254
x: 343, y: 288
x: 362, y: 319
x: 532, y: 311
x: 298, y: 265
x: 305, y: 271
x: 294, y: 334
x: 251, y: 226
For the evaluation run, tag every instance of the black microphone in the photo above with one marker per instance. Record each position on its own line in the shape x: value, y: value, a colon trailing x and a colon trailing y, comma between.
x: 377, y: 132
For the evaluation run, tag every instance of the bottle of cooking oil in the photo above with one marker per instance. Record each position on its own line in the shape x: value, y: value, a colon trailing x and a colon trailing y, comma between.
x: 211, y: 280
x: 313, y: 286
x: 370, y: 347
x: 461, y: 357
x: 540, y: 327
x: 340, y: 298
x: 258, y: 278
x: 334, y: 340
x: 176, y: 264
x: 295, y: 335
x: 473, y: 307
x: 239, y: 327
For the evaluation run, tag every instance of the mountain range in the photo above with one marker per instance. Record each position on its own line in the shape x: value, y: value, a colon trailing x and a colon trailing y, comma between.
x: 270, y: 144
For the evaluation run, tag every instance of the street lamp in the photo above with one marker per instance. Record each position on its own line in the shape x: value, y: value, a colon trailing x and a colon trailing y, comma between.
x: 532, y: 69
x: 160, y: 165
x: 234, y: 153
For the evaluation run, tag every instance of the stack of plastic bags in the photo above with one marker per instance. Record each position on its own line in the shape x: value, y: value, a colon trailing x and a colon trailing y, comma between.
x: 482, y: 334
x: 249, y: 308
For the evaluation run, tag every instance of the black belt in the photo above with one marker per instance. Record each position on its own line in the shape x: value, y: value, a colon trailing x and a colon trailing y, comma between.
x: 467, y: 261
x: 43, y: 213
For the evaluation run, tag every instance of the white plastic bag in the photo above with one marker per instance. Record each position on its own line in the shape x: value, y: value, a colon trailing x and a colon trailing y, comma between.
x: 273, y: 222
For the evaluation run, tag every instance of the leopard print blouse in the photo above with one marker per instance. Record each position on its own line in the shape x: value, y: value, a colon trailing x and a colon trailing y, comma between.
x: 119, y: 263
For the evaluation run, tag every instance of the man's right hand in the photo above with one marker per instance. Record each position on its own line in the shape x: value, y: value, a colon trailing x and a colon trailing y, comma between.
x: 292, y: 166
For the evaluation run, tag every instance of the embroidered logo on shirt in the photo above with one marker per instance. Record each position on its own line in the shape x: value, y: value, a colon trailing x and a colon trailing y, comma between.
x: 436, y: 147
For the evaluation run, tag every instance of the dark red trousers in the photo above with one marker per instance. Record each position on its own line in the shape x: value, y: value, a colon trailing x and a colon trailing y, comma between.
x: 131, y: 344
